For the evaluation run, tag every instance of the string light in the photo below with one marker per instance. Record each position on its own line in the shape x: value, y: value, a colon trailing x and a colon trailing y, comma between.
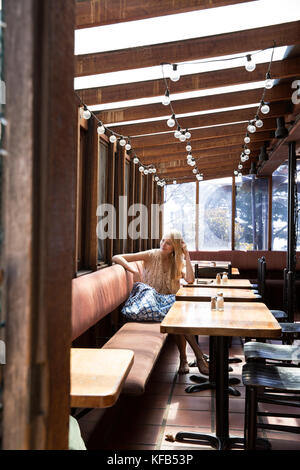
x: 166, y: 99
x: 112, y: 138
x: 86, y: 114
x: 100, y: 128
x: 171, y: 121
x: 175, y: 75
x: 177, y: 133
x: 186, y: 135
x: 265, y: 109
x: 250, y: 64
x: 258, y: 122
x: 269, y: 81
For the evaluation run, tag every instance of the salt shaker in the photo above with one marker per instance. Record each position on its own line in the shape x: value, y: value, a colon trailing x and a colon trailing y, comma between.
x: 213, y: 303
x: 225, y: 277
x: 218, y: 278
x: 220, y: 301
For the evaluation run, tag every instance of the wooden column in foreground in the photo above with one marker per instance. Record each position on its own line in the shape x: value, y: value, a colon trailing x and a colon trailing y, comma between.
x: 39, y: 222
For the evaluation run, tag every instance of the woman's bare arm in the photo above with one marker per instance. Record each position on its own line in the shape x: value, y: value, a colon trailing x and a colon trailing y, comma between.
x: 126, y: 258
x: 189, y: 271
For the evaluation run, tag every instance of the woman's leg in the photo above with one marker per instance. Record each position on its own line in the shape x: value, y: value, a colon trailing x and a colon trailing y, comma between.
x: 201, y: 361
x: 181, y: 344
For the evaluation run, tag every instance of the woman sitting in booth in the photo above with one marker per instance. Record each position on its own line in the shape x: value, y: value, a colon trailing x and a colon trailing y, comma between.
x: 151, y: 299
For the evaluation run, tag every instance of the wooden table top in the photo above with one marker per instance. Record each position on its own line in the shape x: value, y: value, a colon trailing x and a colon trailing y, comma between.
x: 97, y: 376
x: 237, y: 319
x: 205, y: 294
x: 211, y: 282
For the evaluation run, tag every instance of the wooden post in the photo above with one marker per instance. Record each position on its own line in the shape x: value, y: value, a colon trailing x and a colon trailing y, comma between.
x: 233, y: 207
x: 39, y: 222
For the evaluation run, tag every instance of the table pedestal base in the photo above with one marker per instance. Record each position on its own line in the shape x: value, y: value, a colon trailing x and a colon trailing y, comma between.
x: 219, y: 443
x: 206, y: 384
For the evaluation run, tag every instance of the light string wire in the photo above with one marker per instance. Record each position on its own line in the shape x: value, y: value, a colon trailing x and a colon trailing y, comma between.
x: 167, y: 89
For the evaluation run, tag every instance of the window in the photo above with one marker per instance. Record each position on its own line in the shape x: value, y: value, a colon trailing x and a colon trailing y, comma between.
x: 215, y: 201
x: 179, y: 211
x: 101, y: 187
x: 251, y: 214
x: 280, y: 207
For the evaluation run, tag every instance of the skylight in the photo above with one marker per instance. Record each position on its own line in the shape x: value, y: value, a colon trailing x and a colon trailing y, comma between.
x: 189, y: 25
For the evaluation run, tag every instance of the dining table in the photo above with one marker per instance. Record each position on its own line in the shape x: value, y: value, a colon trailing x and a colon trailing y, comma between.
x: 212, y: 282
x: 246, y: 319
x: 205, y: 294
x: 98, y: 375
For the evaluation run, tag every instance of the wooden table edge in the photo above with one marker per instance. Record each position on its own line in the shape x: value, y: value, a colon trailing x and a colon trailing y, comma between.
x: 100, y: 401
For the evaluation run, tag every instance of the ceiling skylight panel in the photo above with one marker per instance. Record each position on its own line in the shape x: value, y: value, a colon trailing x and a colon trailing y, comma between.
x: 188, y: 25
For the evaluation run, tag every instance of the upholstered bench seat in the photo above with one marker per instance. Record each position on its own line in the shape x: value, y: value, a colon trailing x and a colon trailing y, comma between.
x: 146, y: 341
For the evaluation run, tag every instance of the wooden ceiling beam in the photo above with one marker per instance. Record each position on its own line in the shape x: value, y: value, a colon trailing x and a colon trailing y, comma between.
x: 91, y: 13
x: 213, y: 132
x: 200, y: 145
x: 277, y: 109
x: 287, y: 68
x: 239, y: 98
x: 187, y: 50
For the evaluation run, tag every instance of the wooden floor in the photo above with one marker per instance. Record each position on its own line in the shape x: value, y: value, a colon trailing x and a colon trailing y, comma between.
x: 165, y: 408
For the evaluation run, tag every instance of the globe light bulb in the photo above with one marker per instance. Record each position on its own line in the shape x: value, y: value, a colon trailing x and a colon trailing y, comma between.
x: 166, y: 99
x: 259, y: 123
x: 174, y: 182
x: 175, y: 75
x: 146, y: 171
x: 86, y: 114
x: 156, y: 178
x: 195, y: 170
x: 251, y: 128
x: 128, y: 145
x: 240, y: 175
x: 100, y: 129
x: 240, y: 166
x: 269, y: 82
x: 177, y: 133
x: 265, y: 109
x: 112, y: 138
x: 122, y: 142
x: 188, y: 148
x: 246, y: 157
x: 243, y: 158
x: 193, y: 163
x: 141, y: 169
x: 250, y: 64
x: 188, y: 135
x: 135, y: 160
x: 171, y: 121
x: 182, y: 137
x: 247, y: 139
x: 247, y: 151
x: 235, y: 172
x: 153, y: 170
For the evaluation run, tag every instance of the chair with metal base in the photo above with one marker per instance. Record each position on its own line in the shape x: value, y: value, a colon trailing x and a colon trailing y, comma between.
x: 273, y: 385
